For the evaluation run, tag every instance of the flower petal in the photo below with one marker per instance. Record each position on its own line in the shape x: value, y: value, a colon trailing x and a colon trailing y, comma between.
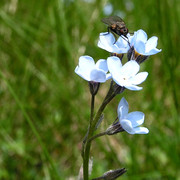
x: 122, y: 109
x: 86, y: 62
x: 141, y: 130
x: 133, y: 87
x: 151, y: 43
x: 98, y: 75
x: 139, y: 46
x: 102, y: 64
x: 138, y: 78
x: 127, y: 126
x: 106, y: 40
x: 141, y: 36
x: 130, y: 69
x: 136, y: 118
x: 153, y: 51
x: 114, y: 66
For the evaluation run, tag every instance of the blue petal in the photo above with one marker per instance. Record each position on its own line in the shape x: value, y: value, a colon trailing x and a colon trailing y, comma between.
x: 114, y: 66
x: 98, y: 75
x: 123, y: 108
x: 140, y: 47
x: 102, y: 64
x: 136, y: 118
x: 141, y: 130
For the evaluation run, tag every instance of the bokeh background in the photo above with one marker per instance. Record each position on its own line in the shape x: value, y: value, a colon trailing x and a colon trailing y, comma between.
x: 44, y: 105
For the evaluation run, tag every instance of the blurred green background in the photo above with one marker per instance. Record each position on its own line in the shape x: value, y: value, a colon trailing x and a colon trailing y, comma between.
x: 40, y: 44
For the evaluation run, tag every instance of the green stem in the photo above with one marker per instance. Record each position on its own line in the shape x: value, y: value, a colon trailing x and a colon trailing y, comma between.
x: 85, y: 150
x: 97, y: 135
x: 110, y: 95
x: 45, y: 151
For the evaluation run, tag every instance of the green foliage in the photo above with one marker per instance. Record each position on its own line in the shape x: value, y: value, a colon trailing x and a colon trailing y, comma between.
x: 40, y: 95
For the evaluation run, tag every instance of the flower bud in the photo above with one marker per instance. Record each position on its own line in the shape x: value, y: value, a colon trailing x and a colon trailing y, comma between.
x: 112, y: 174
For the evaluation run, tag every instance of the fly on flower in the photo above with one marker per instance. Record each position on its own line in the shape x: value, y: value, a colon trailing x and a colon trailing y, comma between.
x: 116, y: 25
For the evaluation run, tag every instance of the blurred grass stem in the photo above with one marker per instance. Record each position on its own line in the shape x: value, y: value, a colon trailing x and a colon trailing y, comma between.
x: 29, y: 121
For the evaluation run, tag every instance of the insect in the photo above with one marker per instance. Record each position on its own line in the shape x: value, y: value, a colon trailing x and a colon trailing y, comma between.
x: 116, y: 25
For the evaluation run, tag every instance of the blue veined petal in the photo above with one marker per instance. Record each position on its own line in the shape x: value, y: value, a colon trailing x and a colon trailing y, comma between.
x: 123, y: 108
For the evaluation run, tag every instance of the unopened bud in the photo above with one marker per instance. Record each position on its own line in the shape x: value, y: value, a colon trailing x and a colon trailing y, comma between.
x: 112, y: 174
x: 94, y: 87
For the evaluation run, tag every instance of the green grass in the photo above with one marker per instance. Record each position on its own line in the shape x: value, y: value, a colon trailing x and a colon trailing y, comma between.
x: 44, y: 105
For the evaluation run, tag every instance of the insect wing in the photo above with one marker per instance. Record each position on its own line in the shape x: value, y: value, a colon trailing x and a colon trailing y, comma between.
x: 112, y: 20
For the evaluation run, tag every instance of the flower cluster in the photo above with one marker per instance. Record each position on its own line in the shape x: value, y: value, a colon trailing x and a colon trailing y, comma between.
x: 138, y: 48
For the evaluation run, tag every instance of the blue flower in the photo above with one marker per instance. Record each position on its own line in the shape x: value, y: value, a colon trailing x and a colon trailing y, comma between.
x: 143, y: 45
x: 130, y: 122
x: 126, y: 75
x: 90, y: 71
x: 109, y: 43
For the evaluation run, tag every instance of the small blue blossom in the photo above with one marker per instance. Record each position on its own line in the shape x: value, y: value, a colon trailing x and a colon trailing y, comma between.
x: 143, y: 45
x: 126, y: 75
x: 109, y: 43
x: 90, y: 71
x: 130, y: 122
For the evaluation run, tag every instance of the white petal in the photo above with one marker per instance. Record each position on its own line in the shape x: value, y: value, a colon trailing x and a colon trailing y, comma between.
x: 86, y: 62
x: 138, y: 78
x: 106, y: 41
x: 139, y: 46
x: 97, y: 75
x: 153, y: 51
x: 141, y: 130
x: 114, y: 66
x: 127, y: 126
x: 84, y: 74
x: 130, y: 69
x: 133, y: 87
x: 122, y: 45
x: 102, y: 64
x: 136, y: 118
x: 141, y: 35
x: 123, y: 108
x: 151, y: 43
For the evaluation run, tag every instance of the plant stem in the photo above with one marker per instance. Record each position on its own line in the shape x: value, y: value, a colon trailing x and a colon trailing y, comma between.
x: 86, y: 146
x: 97, y: 135
x: 110, y: 95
